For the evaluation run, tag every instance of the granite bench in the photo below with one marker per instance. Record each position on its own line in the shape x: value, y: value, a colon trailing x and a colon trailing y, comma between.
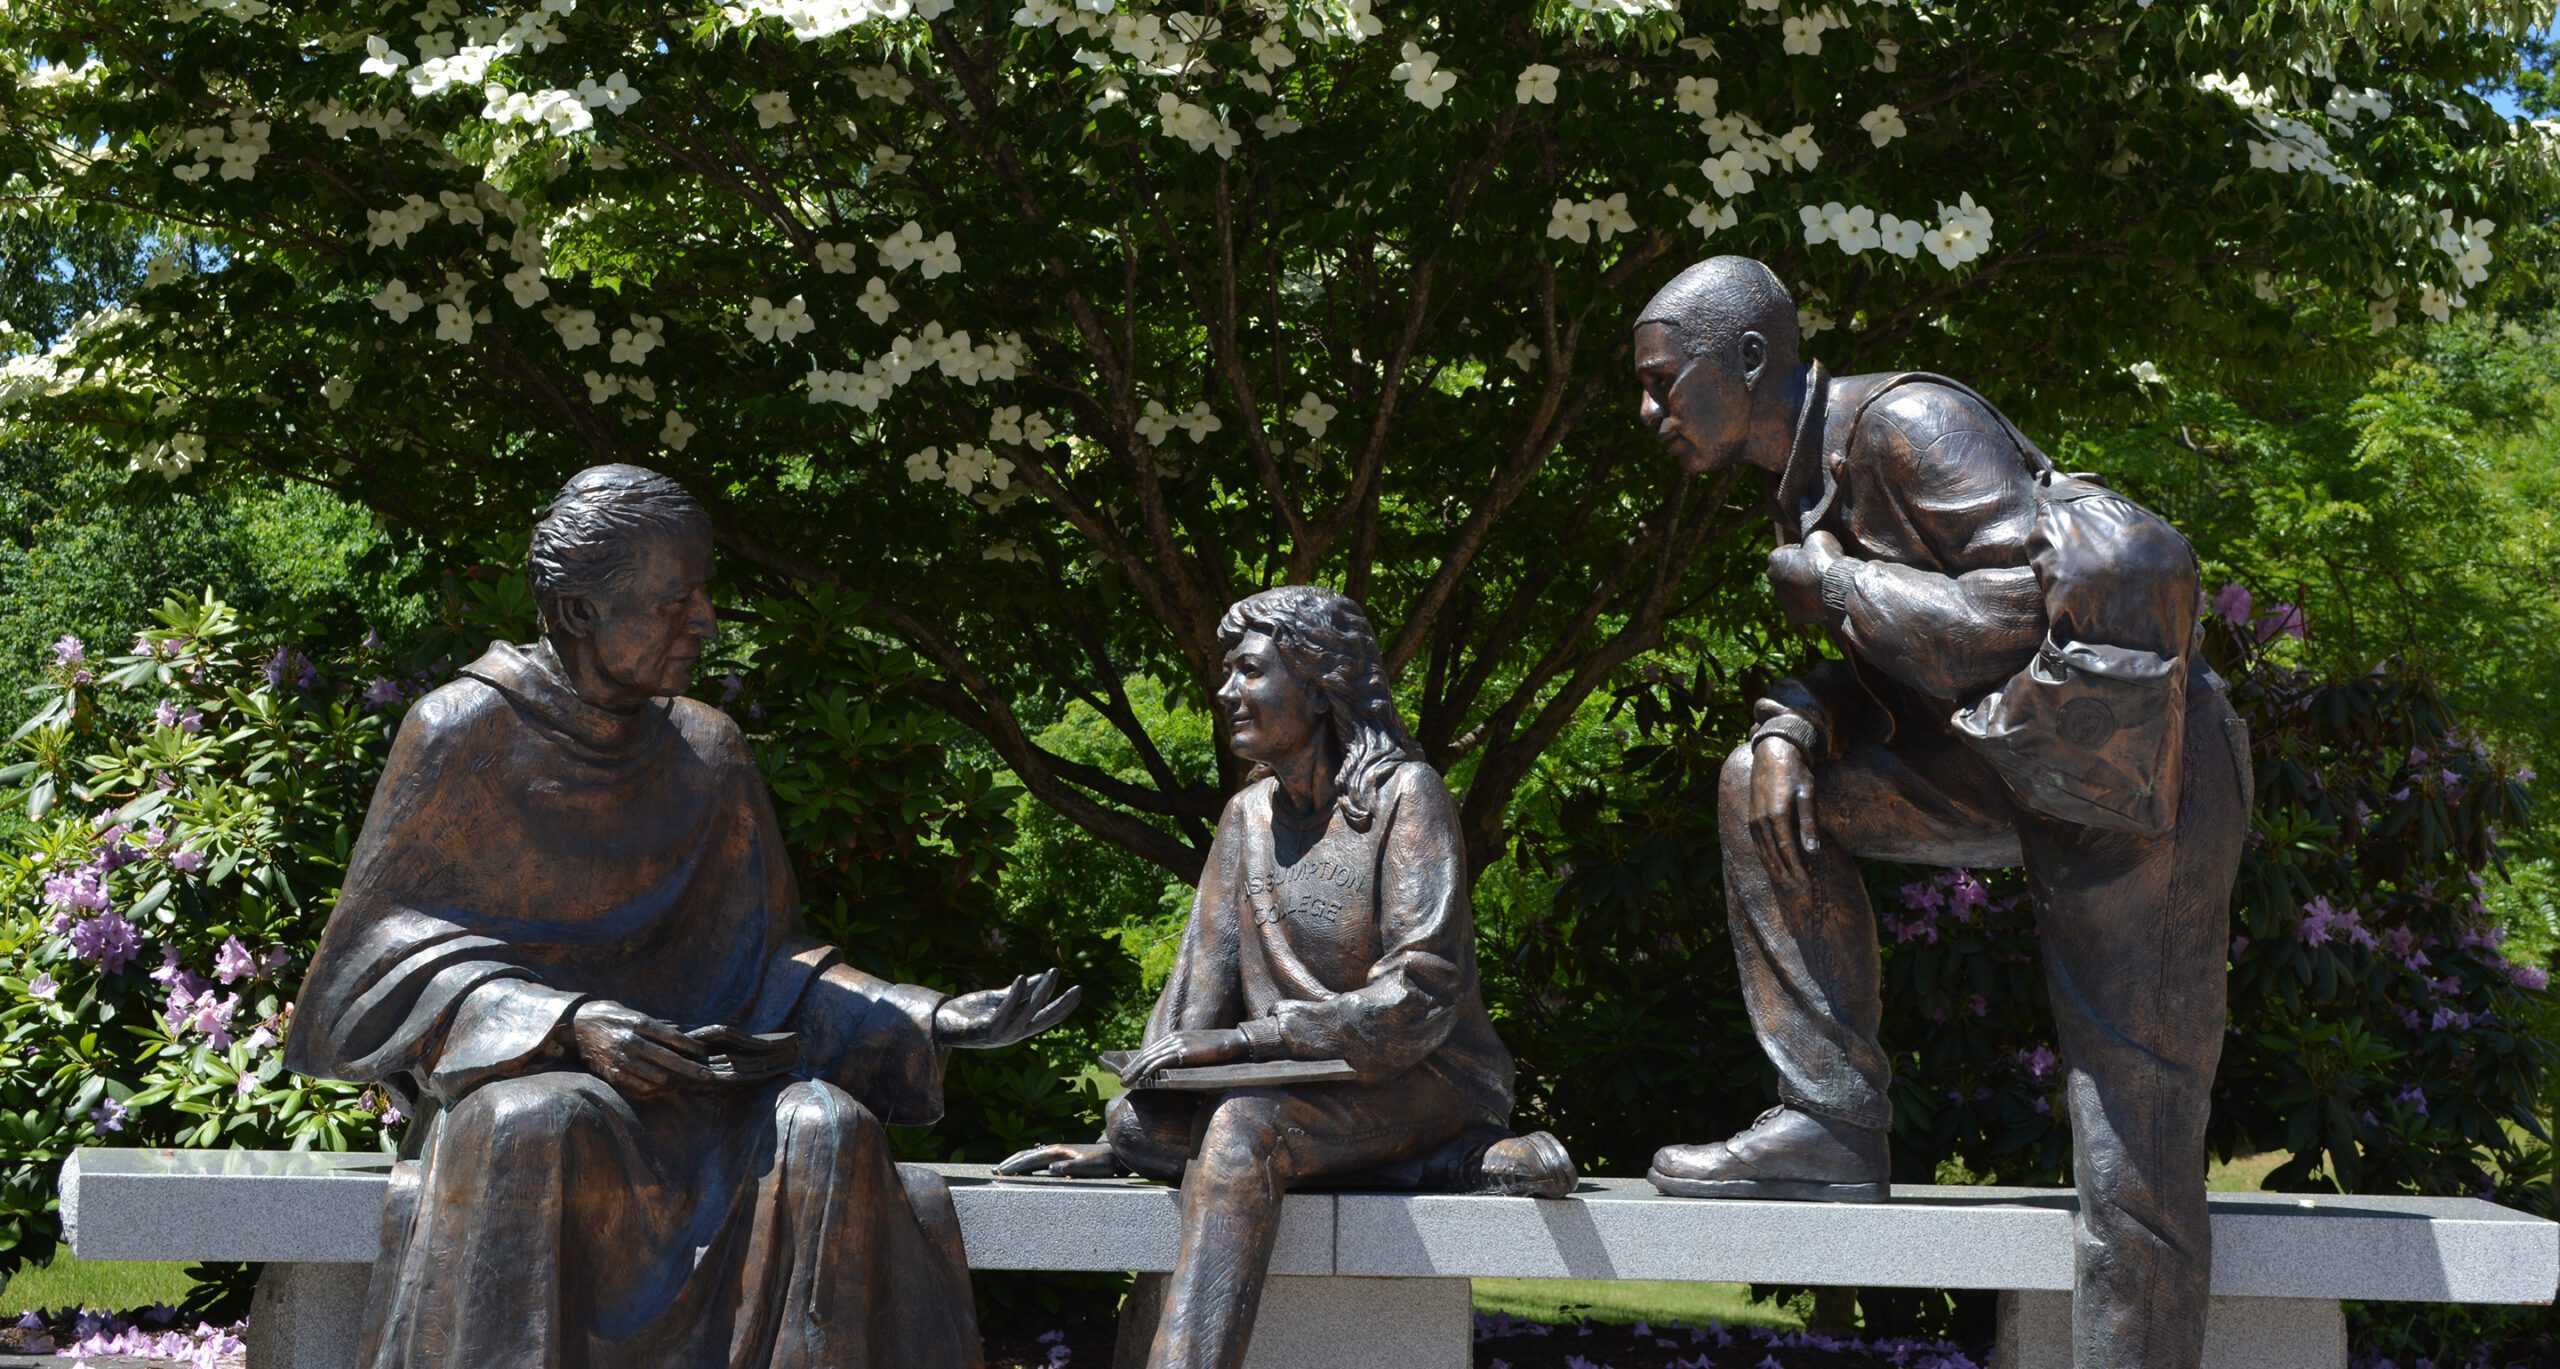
x: 1381, y: 1279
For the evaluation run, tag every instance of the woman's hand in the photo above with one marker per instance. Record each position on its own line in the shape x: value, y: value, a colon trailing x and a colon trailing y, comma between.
x: 636, y: 1053
x: 1064, y: 1160
x: 1184, y: 1050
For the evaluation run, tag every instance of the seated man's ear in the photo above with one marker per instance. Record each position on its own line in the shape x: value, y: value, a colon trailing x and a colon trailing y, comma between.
x: 575, y: 614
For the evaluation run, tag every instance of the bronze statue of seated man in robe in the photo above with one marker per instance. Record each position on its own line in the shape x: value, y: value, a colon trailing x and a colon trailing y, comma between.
x: 1333, y: 923
x: 649, y: 1105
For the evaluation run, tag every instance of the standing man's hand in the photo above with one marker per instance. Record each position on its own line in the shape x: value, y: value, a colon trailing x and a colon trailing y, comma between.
x: 1796, y: 574
x: 1783, y: 825
x: 639, y: 1055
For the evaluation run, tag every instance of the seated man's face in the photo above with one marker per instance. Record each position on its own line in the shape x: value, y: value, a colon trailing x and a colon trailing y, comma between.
x: 650, y: 630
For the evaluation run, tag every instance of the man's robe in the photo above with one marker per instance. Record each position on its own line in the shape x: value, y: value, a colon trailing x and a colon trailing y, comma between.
x: 528, y: 851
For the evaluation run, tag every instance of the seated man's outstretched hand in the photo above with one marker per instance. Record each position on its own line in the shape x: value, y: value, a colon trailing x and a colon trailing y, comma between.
x: 999, y: 1017
x: 1064, y: 1160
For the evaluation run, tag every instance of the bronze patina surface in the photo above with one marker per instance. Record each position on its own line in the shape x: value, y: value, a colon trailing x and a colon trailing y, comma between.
x: 649, y: 1104
x: 1333, y: 922
x: 2018, y: 685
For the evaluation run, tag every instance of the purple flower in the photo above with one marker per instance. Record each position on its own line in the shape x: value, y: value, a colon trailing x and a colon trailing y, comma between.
x: 1978, y: 1005
x: 2038, y: 1063
x: 233, y: 961
x: 85, y: 887
x: 384, y: 692
x: 2317, y: 920
x: 182, y: 983
x: 108, y: 1115
x: 289, y: 664
x: 1965, y: 893
x: 68, y: 651
x: 2232, y: 604
x: 210, y: 1018
x: 2286, y: 621
x: 186, y: 862
x: 42, y: 986
x: 2414, y: 1099
x: 2239, y: 947
x: 106, y: 939
x: 166, y: 715
x: 2529, y: 977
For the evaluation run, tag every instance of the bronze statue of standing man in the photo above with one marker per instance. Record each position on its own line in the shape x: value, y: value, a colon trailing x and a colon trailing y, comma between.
x: 2019, y: 686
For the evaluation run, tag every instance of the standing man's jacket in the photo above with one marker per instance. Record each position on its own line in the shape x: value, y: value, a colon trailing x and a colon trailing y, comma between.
x: 2045, y: 619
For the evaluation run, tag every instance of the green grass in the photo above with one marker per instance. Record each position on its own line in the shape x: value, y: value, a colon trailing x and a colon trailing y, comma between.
x: 110, y: 1285
x: 2247, y: 1174
x: 1628, y: 1300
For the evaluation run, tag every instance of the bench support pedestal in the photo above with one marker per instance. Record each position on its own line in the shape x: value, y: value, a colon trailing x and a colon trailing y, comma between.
x: 2239, y: 1333
x: 306, y: 1316
x: 1332, y: 1323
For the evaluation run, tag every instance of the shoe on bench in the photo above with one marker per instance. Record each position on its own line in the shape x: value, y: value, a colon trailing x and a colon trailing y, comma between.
x: 1787, y: 1154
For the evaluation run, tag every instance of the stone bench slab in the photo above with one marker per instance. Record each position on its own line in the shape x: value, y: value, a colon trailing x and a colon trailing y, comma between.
x: 312, y: 1208
x: 2264, y: 1245
x: 317, y: 1208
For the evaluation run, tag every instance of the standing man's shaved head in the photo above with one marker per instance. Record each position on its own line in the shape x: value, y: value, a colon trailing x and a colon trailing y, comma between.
x: 1711, y: 305
x: 1715, y: 351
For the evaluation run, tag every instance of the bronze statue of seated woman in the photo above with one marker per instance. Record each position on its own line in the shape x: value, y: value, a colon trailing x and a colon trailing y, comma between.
x: 1332, y: 924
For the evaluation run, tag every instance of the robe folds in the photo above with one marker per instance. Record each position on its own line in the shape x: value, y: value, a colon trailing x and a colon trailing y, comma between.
x: 527, y: 851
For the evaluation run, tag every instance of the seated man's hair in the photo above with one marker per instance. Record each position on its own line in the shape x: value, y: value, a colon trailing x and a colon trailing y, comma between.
x: 1712, y: 304
x: 582, y: 546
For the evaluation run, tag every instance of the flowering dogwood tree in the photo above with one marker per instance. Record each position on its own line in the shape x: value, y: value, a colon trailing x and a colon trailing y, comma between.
x: 1055, y: 325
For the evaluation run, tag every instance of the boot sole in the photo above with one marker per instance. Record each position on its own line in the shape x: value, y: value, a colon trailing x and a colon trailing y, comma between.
x: 1780, y: 1190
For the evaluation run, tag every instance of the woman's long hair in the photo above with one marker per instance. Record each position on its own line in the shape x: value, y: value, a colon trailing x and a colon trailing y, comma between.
x: 1326, y: 638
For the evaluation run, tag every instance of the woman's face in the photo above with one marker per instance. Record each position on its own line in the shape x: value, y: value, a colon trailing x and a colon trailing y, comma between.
x: 1274, y: 712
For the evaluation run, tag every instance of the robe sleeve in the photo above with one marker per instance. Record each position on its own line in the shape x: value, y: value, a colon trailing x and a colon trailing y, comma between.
x: 875, y: 1040
x: 1427, y: 928
x: 396, y: 994
x: 1205, y: 991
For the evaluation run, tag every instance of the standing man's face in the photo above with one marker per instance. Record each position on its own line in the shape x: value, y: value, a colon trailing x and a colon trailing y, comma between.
x: 648, y: 632
x: 1696, y: 405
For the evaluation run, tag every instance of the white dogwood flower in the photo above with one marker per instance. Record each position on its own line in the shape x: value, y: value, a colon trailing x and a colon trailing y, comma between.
x: 380, y: 59
x: 526, y: 284
x: 1883, y: 123
x: 838, y: 258
x: 1726, y: 174
x: 453, y: 322
x: 398, y: 300
x: 337, y: 390
x: 1798, y: 143
x: 773, y: 108
x: 1537, y: 82
x: 876, y: 302
x: 677, y: 431
x: 898, y: 249
x: 937, y: 256
x: 778, y: 324
x: 1156, y: 423
x: 2146, y: 373
x: 1522, y: 353
x: 1712, y: 218
x: 577, y: 328
x: 1424, y: 82
x: 1697, y: 95
x: 1312, y: 414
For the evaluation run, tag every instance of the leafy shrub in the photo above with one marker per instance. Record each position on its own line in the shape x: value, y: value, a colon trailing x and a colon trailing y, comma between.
x: 163, y: 893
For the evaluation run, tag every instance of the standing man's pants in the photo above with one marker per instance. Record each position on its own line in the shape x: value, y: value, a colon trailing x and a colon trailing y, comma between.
x: 2134, y: 932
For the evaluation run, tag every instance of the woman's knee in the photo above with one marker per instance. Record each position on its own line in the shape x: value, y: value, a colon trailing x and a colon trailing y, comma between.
x: 1245, y: 1136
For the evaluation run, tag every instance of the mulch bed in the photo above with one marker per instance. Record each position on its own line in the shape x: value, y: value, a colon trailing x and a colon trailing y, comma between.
x: 1505, y: 1343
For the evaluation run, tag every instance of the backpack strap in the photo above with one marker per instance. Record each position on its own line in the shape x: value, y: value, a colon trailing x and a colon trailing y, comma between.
x: 2035, y: 458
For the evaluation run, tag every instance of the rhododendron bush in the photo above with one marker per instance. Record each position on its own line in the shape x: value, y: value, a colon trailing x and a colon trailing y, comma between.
x: 1055, y: 325
x: 164, y: 893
